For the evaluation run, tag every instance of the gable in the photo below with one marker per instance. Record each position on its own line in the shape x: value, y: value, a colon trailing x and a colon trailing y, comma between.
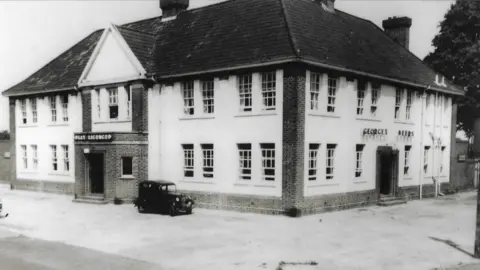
x: 112, y: 61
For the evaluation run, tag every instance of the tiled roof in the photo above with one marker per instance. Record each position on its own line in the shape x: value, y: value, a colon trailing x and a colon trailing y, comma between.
x: 239, y: 33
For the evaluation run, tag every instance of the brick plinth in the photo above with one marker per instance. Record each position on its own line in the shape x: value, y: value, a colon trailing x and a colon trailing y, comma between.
x: 43, y: 186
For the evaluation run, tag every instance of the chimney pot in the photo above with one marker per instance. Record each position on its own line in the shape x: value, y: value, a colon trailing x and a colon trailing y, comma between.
x: 171, y: 8
x: 398, y: 28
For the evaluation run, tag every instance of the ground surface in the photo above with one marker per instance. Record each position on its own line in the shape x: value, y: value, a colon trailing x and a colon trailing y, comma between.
x: 417, y: 235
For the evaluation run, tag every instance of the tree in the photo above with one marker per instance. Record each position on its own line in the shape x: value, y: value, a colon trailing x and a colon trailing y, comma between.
x: 457, y: 57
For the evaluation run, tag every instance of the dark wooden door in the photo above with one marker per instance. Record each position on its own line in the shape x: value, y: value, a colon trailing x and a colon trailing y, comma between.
x: 386, y: 173
x: 97, y: 173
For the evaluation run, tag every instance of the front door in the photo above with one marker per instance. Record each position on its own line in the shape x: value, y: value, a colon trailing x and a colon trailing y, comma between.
x: 96, y: 176
x: 387, y: 165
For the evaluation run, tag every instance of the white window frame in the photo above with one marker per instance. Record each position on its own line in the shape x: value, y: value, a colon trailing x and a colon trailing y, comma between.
x: 53, y: 108
x: 245, y: 161
x: 359, y: 149
x: 66, y: 160
x: 99, y: 107
x: 208, y: 162
x: 33, y: 105
x: 330, y: 162
x: 407, y: 160
x: 23, y: 108
x: 333, y: 83
x: 268, y: 161
x: 34, y: 148
x: 188, y: 94
x: 315, y: 82
x: 245, y: 92
x: 64, y: 107
x: 269, y: 90
x: 376, y: 91
x: 426, y: 153
x: 361, y: 90
x: 188, y: 160
x: 128, y: 90
x: 313, y: 150
x: 208, y: 96
x: 54, y: 155
x: 113, y: 102
x: 408, y: 109
x: 398, y: 102
x: 23, y: 149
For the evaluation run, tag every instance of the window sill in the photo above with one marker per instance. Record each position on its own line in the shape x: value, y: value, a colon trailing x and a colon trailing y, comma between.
x: 314, y: 185
x: 59, y: 174
x: 404, y: 122
x: 358, y: 182
x: 58, y: 124
x: 368, y: 119
x: 112, y: 121
x: 196, y: 118
x: 445, y: 126
x: 127, y: 177
x: 28, y: 172
x: 208, y: 182
x: 28, y: 126
x: 256, y: 114
x: 408, y: 177
x: 324, y: 115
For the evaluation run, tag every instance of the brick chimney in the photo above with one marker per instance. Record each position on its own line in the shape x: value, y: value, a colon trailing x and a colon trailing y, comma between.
x: 398, y: 29
x: 171, y: 8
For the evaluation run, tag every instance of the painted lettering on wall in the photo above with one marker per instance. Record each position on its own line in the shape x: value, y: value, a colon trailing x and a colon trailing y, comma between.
x: 375, y: 131
x: 93, y: 137
x: 405, y: 133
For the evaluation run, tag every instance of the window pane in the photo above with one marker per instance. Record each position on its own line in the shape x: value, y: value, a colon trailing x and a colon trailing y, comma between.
x: 127, y: 166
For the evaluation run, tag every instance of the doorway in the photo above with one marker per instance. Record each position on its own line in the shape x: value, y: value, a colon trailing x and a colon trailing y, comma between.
x: 387, y: 170
x: 96, y: 173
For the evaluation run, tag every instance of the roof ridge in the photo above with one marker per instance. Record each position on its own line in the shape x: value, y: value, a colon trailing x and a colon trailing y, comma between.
x: 134, y: 30
x: 291, y: 38
x: 211, y: 5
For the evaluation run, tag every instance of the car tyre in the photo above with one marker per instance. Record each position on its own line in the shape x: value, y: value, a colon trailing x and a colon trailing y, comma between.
x: 190, y: 210
x: 172, y: 211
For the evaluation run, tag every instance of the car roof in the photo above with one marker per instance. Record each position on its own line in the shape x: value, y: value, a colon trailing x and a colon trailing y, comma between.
x: 160, y: 182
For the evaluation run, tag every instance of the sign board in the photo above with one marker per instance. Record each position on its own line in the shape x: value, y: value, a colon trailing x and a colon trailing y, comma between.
x: 98, y: 137
x: 462, y: 158
x: 375, y: 131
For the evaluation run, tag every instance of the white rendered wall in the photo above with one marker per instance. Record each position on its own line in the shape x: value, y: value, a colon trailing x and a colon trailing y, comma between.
x: 345, y: 129
x: 169, y: 129
x: 4, y: 114
x: 45, y: 133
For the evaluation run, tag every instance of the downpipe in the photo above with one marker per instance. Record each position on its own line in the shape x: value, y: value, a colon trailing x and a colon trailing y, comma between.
x: 421, y: 141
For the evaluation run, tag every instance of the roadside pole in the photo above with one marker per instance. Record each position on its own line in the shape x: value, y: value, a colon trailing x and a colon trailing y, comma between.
x: 476, y: 150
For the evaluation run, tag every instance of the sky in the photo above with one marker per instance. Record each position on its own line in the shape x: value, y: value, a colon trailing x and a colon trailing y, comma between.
x: 35, y: 32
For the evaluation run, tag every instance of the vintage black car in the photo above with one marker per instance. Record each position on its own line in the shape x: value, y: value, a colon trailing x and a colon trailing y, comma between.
x: 162, y: 196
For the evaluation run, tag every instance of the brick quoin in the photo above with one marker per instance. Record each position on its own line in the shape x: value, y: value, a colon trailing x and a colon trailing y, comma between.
x: 13, y: 132
x: 293, y: 138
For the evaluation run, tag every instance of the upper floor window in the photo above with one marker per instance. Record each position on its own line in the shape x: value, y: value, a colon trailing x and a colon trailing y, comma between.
x: 314, y: 90
x: 313, y: 161
x: 188, y: 98
x: 245, y: 158
x: 359, y: 160
x: 245, y: 92
x: 208, y: 97
x: 113, y: 102
x: 361, y: 87
x: 269, y: 90
x: 188, y: 160
x: 375, y: 95
x: 409, y: 105
x: 23, y: 107
x: 268, y: 161
x: 129, y: 101
x: 208, y: 159
x: 65, y: 108
x: 398, y: 101
x: 53, y: 108
x: 329, y: 172
x: 33, y: 104
x: 442, y: 158
x: 332, y: 93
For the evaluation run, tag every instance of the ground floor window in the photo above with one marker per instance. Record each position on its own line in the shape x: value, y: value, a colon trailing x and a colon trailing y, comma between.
x: 66, y: 160
x: 359, y: 160
x: 245, y: 159
x: 313, y: 161
x: 188, y: 160
x: 442, y: 158
x: 426, y: 152
x: 24, y: 156
x: 53, y: 149
x: 268, y: 161
x: 330, y: 161
x: 34, y: 156
x: 406, y: 166
x: 127, y: 166
x: 208, y: 157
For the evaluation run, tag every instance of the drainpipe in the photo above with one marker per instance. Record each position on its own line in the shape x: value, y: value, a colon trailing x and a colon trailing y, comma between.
x: 422, y: 124
x: 433, y: 143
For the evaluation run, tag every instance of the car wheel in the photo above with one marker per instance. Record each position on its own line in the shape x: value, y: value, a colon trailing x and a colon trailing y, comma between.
x: 172, y: 210
x: 189, y: 210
